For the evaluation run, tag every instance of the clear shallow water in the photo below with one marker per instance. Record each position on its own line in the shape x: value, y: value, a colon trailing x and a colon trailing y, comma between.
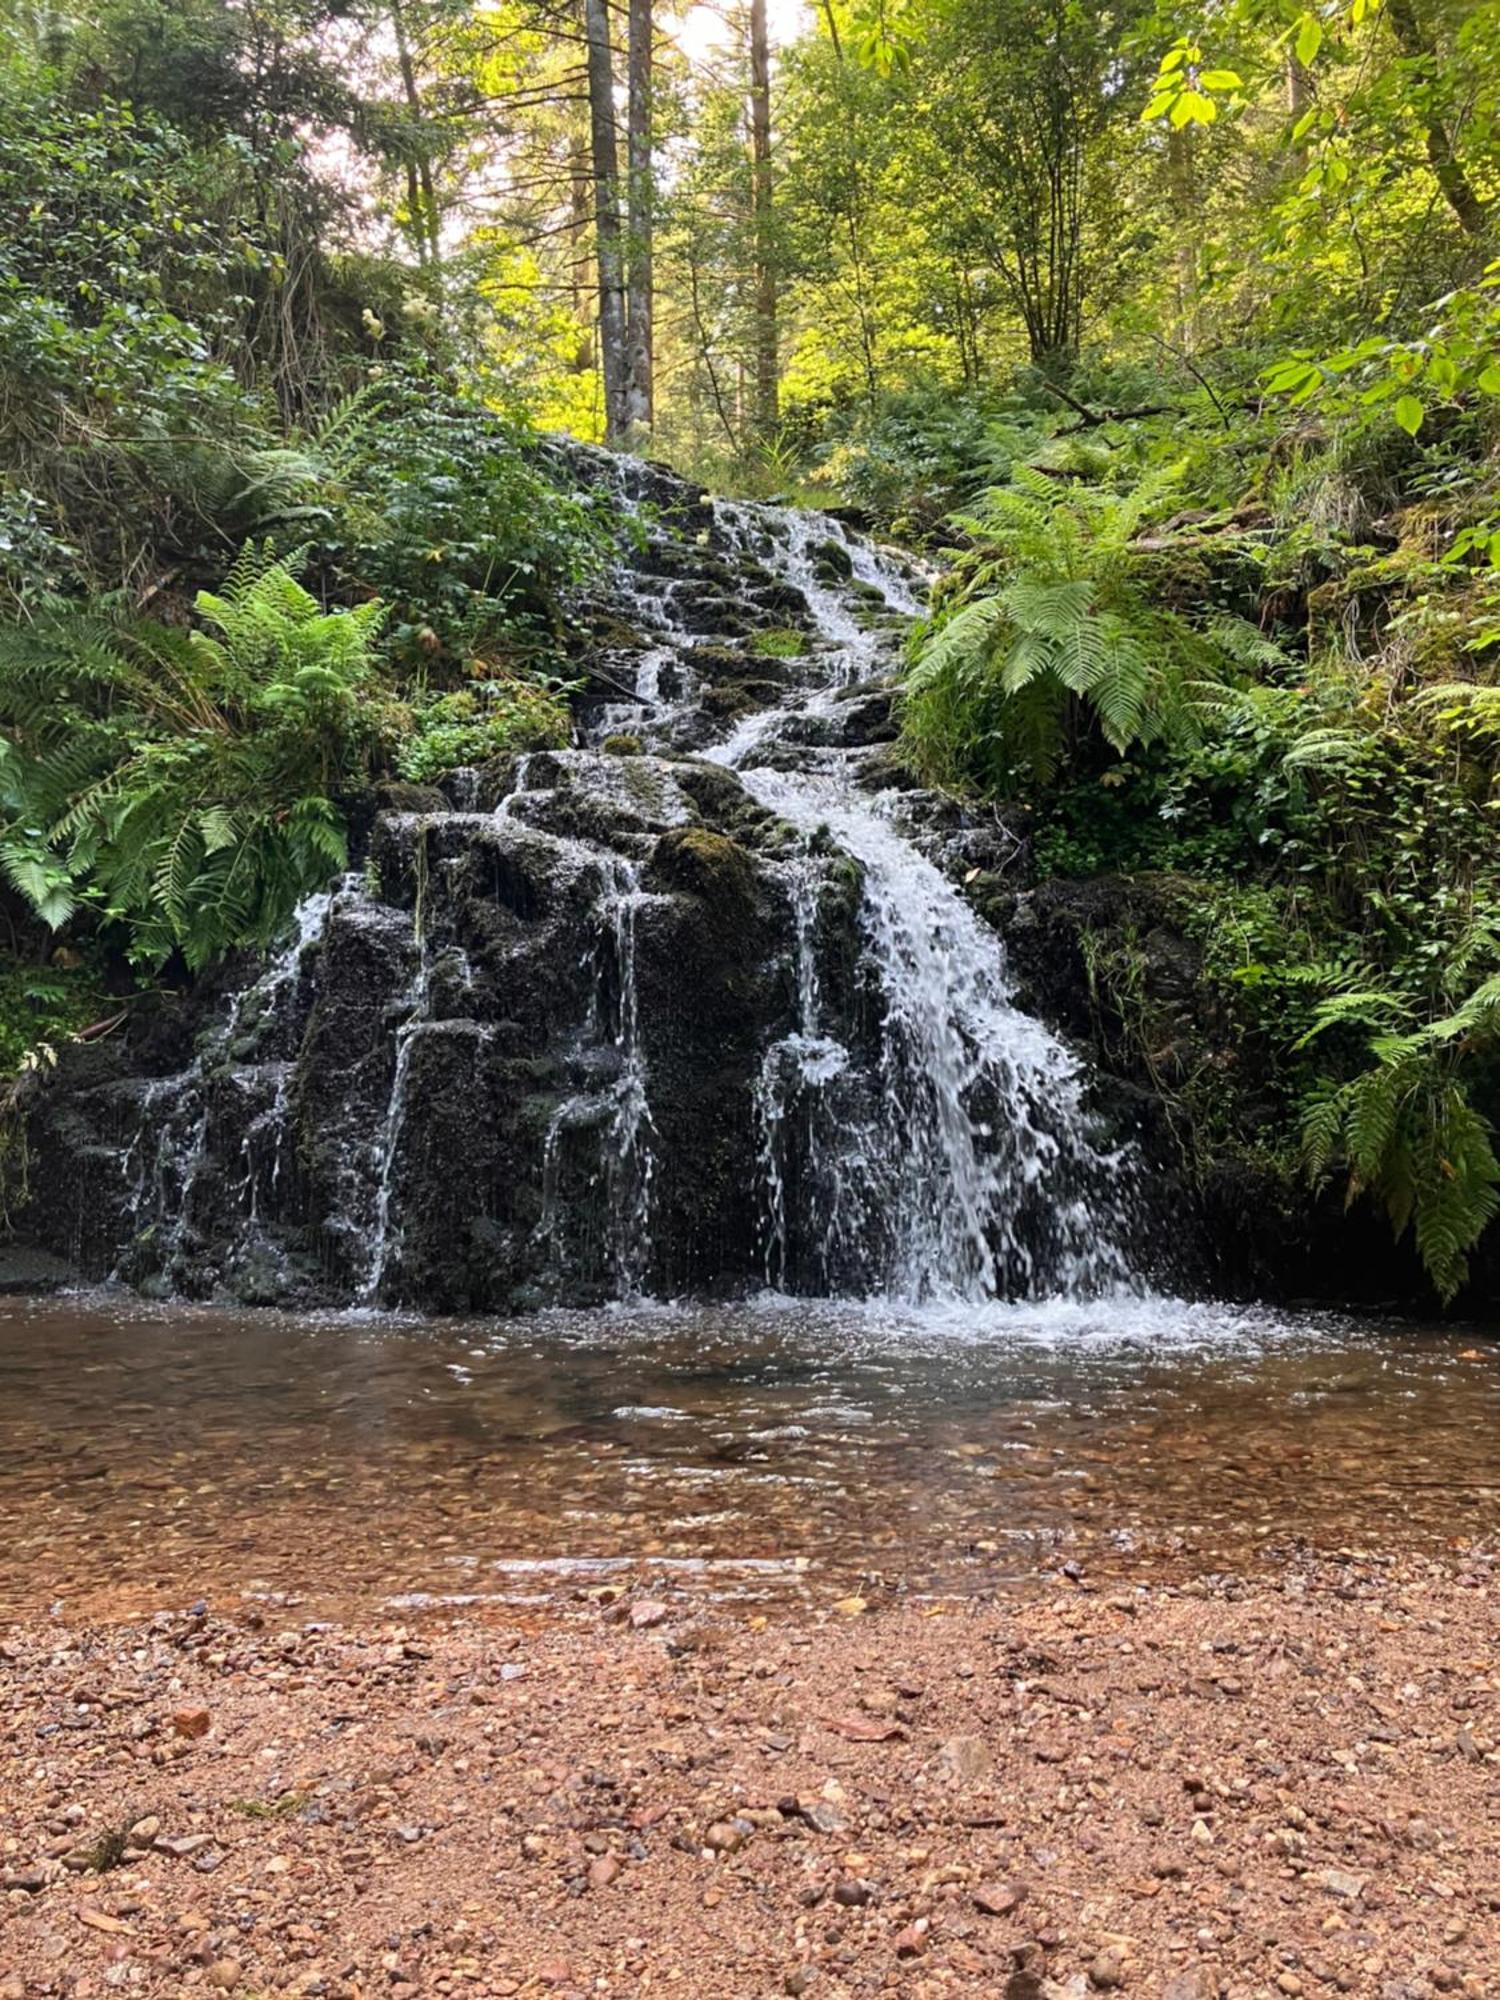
x: 784, y: 1452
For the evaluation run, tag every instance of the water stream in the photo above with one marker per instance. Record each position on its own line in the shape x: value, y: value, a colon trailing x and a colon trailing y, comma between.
x: 773, y: 1454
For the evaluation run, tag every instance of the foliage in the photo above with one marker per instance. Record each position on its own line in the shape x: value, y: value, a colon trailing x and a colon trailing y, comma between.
x: 446, y: 511
x: 183, y: 786
x: 1405, y: 1127
x: 1048, y: 639
x: 476, y: 724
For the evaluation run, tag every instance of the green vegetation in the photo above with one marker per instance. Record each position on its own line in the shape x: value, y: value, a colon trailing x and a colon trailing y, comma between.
x: 779, y: 644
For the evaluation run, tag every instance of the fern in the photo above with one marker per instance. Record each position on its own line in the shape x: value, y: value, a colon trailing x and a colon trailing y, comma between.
x: 182, y: 783
x: 1405, y: 1130
x: 1051, y: 637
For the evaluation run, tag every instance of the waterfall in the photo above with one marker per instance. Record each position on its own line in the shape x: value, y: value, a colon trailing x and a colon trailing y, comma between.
x: 974, y: 1163
x: 693, y: 1006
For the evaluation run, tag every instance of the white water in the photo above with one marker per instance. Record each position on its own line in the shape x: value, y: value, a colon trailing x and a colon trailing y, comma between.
x: 977, y: 1161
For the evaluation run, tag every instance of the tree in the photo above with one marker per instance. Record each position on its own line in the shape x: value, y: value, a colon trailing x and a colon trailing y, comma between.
x: 639, y: 389
x: 767, y: 364
x: 609, y: 240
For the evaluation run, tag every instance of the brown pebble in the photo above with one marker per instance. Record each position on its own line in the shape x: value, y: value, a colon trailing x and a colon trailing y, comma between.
x: 192, y: 1723
x: 998, y: 1899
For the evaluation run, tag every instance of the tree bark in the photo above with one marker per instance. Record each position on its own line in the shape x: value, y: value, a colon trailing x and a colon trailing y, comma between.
x: 608, y: 243
x: 420, y: 190
x: 1446, y: 166
x: 1185, y: 223
x: 766, y: 361
x: 639, y: 388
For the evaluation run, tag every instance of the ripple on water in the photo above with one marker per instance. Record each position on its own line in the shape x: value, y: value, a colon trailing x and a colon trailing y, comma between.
x: 779, y: 1448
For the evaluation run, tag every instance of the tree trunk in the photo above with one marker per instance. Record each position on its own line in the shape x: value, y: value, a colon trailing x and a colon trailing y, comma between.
x: 608, y: 246
x: 580, y: 216
x: 420, y: 192
x: 639, y: 396
x: 766, y: 368
x: 1298, y: 98
x: 1446, y: 166
x: 1185, y: 225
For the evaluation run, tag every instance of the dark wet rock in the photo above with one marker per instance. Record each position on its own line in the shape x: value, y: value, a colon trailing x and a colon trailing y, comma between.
x: 24, y: 1269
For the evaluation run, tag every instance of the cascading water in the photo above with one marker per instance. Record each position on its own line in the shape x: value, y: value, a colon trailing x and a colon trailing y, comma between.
x: 692, y: 1007
x: 973, y: 1163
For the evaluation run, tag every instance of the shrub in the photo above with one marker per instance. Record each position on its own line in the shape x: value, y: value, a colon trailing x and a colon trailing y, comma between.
x: 182, y: 785
x: 478, y: 723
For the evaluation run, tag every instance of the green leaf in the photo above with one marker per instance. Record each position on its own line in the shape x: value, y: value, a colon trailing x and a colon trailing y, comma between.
x: 1309, y: 38
x: 1489, y: 379
x: 1219, y: 79
x: 1408, y: 414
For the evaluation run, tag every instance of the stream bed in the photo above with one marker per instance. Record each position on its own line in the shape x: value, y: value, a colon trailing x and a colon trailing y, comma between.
x: 782, y: 1452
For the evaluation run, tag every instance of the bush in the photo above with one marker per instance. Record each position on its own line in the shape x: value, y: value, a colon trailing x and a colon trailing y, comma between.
x: 182, y: 786
x: 476, y: 724
x: 446, y: 511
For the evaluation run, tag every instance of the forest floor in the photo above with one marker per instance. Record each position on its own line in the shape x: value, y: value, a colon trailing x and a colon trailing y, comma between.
x: 1220, y: 1788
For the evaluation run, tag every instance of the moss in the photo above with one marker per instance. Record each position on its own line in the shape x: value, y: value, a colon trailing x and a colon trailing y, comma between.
x: 780, y: 643
x: 623, y: 745
x: 735, y: 698
x: 700, y: 862
x: 833, y: 560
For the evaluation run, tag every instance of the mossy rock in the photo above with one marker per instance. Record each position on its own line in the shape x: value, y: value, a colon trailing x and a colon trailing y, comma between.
x: 833, y: 560
x: 397, y: 796
x: 735, y: 698
x: 780, y: 643
x: 623, y: 745
x: 699, y: 862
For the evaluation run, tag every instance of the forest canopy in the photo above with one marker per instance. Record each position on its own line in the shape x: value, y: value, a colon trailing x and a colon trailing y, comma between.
x: 1171, y: 336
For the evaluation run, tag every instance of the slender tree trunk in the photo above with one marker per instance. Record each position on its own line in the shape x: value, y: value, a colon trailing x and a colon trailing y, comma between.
x: 1185, y: 224
x: 420, y: 190
x: 766, y: 365
x: 1447, y: 168
x: 608, y: 245
x: 639, y: 395
x: 580, y: 213
x: 1297, y: 99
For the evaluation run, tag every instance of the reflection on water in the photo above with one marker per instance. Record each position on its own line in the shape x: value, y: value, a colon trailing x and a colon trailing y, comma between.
x: 156, y: 1455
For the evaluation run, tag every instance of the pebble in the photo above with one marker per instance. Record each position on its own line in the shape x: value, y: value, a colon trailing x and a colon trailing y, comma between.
x: 998, y: 1899
x: 225, y: 1974
x: 191, y: 1722
x: 966, y: 1758
x: 1342, y: 1883
x: 853, y: 1894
